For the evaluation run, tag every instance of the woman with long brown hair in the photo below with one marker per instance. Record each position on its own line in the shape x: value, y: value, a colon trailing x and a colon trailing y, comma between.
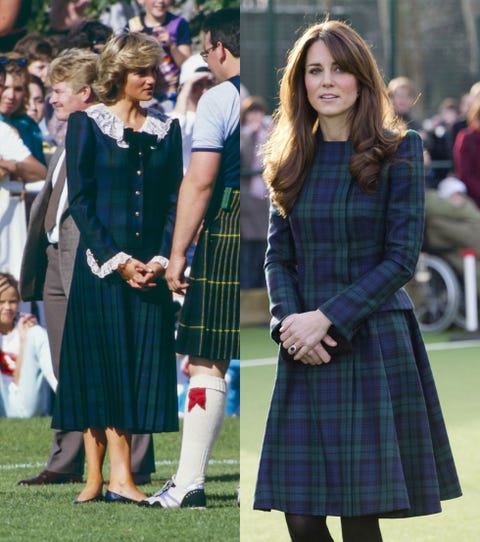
x: 355, y: 427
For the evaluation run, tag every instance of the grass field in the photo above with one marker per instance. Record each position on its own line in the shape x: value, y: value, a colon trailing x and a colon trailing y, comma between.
x: 457, y: 374
x: 45, y: 513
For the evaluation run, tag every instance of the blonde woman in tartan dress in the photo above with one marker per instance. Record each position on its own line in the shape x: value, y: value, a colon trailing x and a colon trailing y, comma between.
x: 117, y: 368
x: 355, y: 427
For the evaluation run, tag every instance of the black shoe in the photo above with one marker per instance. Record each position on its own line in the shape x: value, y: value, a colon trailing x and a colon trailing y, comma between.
x: 49, y: 477
x: 111, y: 496
x: 172, y: 497
x: 97, y: 498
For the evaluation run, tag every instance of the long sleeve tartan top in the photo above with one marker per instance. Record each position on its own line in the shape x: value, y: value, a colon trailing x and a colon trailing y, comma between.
x: 345, y: 251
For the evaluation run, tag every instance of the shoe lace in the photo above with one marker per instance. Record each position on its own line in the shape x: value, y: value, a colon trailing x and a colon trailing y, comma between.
x: 168, y: 484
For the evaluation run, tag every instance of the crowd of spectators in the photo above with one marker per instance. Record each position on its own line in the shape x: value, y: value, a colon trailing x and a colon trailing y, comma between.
x: 30, y: 131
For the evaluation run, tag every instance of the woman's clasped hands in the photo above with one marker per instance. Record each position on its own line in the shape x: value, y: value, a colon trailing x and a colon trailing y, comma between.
x: 139, y: 275
x: 301, y: 335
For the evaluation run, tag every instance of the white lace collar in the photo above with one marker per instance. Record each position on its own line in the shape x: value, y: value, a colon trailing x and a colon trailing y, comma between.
x: 156, y: 123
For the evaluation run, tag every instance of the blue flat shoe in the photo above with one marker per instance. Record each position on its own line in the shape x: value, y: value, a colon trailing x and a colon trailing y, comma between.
x: 111, y: 496
x: 97, y: 498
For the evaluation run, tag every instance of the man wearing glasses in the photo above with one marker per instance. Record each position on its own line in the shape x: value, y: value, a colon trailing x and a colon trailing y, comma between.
x: 209, y: 326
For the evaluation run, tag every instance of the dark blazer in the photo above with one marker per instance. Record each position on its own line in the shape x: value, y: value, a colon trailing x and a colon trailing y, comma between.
x: 34, y: 262
x: 344, y: 251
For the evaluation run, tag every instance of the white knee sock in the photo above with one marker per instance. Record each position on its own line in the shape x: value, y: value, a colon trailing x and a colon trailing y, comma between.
x: 204, y: 414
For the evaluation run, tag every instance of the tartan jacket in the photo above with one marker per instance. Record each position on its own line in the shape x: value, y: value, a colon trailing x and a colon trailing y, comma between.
x: 345, y: 251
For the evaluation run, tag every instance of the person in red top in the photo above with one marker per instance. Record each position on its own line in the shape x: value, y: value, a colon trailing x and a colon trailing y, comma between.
x: 466, y: 153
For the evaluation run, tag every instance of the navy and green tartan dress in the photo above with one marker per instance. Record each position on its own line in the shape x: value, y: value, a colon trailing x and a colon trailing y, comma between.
x: 363, y: 434
x: 118, y: 366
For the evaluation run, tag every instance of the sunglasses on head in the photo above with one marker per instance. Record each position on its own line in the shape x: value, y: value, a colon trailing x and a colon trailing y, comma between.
x: 22, y: 62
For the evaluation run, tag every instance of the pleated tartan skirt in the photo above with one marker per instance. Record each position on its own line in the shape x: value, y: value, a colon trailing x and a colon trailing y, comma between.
x: 118, y: 364
x: 363, y: 434
x: 210, y: 318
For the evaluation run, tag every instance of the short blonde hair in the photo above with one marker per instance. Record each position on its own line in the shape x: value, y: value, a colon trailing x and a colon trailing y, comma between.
x: 123, y: 54
x: 77, y: 67
x: 401, y: 82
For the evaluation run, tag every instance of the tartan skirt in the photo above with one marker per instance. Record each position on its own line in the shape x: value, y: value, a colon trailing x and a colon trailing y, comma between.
x: 210, y: 319
x: 117, y: 364
x: 361, y: 435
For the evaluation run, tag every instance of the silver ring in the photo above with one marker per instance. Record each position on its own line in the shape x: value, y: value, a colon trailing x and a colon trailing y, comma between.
x: 292, y: 349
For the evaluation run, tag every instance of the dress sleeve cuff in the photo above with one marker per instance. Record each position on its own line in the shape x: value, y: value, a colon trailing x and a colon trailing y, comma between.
x: 109, y: 266
x: 161, y: 260
x: 275, y: 326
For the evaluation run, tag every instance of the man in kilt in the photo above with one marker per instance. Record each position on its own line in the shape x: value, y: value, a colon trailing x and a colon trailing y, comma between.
x: 209, y: 327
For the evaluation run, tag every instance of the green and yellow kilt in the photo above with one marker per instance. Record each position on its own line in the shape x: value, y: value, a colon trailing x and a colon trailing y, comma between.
x: 210, y: 319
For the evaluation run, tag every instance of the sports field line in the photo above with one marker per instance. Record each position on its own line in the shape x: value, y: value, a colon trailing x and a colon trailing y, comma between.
x: 12, y: 466
x: 450, y: 345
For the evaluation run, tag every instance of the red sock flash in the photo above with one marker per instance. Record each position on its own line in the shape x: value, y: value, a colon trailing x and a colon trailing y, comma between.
x: 197, y: 396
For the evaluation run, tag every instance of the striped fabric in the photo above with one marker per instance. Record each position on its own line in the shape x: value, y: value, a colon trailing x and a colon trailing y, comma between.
x: 210, y: 319
x: 363, y: 434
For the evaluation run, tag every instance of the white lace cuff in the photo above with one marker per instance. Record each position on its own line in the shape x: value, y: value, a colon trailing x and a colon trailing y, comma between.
x: 109, y: 266
x: 161, y: 260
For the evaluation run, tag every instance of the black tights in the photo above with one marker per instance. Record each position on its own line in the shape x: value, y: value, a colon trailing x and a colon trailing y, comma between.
x: 314, y: 529
x: 308, y: 528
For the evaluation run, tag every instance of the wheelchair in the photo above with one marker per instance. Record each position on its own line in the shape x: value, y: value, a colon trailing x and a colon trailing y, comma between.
x: 437, y: 293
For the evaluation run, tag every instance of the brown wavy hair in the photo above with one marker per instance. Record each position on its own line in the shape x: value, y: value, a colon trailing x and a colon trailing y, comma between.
x: 375, y: 129
x: 8, y: 281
